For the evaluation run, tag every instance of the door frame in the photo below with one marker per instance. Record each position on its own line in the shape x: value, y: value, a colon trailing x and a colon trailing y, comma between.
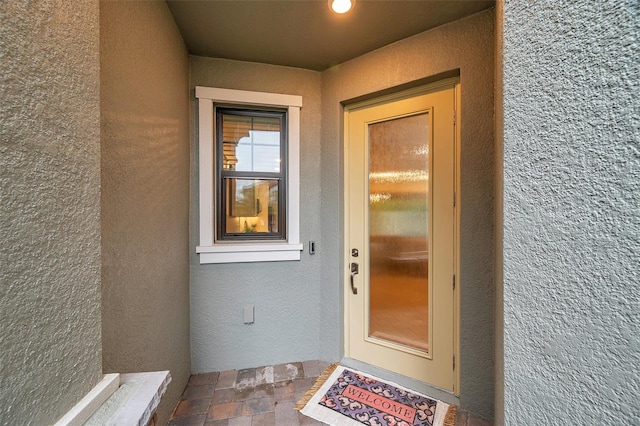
x: 377, y: 100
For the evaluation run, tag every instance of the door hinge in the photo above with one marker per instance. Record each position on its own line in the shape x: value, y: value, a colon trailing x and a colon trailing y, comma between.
x: 454, y: 199
x: 454, y: 362
x: 454, y: 118
x: 454, y: 281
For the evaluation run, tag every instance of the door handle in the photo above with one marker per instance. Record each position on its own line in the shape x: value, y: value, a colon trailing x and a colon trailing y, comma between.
x: 354, y: 272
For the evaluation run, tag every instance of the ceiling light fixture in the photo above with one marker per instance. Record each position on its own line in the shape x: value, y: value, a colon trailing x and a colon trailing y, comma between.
x: 341, y: 6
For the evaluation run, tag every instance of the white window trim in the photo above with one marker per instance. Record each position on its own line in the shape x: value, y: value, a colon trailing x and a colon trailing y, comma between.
x: 210, y: 250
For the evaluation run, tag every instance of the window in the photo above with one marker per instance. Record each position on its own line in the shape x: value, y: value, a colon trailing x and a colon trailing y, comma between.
x: 251, y: 164
x: 249, y: 176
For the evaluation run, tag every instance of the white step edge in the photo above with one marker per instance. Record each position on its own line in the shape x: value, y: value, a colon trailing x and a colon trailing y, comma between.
x: 140, y: 406
x: 88, y: 405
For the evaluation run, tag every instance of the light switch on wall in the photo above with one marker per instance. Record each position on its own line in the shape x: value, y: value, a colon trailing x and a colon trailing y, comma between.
x: 248, y: 314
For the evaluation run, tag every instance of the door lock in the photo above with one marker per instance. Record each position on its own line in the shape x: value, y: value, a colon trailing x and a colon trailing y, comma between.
x: 354, y: 272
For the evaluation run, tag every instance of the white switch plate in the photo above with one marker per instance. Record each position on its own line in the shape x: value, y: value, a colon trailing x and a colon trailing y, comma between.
x: 248, y: 314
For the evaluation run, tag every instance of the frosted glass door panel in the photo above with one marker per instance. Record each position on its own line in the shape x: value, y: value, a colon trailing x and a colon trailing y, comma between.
x: 398, y: 230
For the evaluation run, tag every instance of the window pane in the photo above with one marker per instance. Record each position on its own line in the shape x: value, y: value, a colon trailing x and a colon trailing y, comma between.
x: 252, y: 206
x: 251, y: 143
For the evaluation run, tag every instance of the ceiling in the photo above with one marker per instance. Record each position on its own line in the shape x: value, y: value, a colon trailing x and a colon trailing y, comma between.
x: 305, y: 33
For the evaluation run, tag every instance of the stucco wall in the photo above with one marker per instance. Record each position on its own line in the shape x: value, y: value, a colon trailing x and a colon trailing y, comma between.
x: 466, y: 45
x: 50, y: 352
x: 498, y: 251
x: 145, y: 193
x: 571, y: 212
x: 285, y: 294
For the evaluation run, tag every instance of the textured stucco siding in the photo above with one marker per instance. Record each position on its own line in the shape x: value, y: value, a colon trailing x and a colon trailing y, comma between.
x: 285, y: 294
x: 571, y: 212
x: 50, y: 352
x: 145, y: 193
x: 498, y: 331
x: 465, y: 45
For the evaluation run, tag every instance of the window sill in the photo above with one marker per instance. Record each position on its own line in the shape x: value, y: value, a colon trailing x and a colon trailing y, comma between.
x: 234, y: 253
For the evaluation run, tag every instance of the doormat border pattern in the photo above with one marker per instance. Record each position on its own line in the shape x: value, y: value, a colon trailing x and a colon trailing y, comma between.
x: 337, y: 378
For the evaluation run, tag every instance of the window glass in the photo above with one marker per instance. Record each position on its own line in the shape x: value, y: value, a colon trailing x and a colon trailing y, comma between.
x: 251, y: 143
x: 251, y: 178
x: 253, y: 206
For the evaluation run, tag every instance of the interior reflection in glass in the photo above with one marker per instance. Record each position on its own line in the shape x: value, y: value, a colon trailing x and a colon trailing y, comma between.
x: 253, y: 205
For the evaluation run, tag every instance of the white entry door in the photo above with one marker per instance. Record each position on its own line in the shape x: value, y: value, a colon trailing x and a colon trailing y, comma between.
x: 400, y: 229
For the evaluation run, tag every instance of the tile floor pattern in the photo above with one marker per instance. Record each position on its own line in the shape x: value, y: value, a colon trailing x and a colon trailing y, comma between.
x: 263, y: 396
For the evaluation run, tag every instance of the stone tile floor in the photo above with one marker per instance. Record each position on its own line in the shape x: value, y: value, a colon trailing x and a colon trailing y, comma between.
x: 263, y: 396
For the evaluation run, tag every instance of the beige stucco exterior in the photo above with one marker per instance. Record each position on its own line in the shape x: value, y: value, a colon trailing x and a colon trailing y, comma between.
x: 145, y: 191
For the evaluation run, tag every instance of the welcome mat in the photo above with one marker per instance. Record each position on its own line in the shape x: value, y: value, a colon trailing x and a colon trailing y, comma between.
x: 346, y: 397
